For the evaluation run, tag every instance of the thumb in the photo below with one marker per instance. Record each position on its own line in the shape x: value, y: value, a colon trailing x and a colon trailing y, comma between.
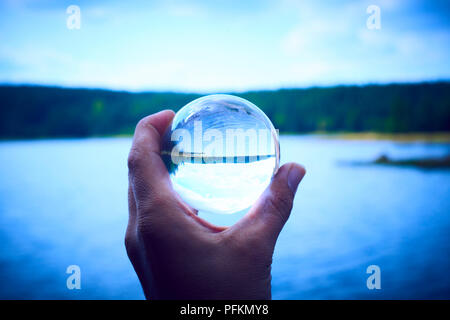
x: 269, y: 214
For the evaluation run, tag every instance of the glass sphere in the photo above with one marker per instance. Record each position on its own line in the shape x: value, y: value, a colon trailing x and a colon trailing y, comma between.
x: 221, y: 152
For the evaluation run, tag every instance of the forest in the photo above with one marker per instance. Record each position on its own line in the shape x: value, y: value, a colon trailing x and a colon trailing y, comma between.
x: 45, y: 112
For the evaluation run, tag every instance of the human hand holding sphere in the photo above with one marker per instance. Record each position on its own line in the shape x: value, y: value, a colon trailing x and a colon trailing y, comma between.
x: 178, y: 255
x: 221, y: 152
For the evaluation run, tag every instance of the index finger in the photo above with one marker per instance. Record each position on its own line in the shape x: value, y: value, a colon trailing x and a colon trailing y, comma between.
x: 147, y: 172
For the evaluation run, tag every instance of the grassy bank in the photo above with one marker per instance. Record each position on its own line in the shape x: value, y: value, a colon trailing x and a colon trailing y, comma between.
x: 427, y: 163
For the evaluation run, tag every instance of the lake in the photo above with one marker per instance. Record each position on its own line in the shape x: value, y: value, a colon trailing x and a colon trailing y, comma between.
x: 64, y: 202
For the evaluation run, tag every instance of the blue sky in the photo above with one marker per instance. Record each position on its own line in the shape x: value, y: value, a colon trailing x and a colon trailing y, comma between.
x: 217, y: 46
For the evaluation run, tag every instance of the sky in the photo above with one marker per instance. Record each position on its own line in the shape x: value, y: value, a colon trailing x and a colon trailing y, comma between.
x: 222, y: 46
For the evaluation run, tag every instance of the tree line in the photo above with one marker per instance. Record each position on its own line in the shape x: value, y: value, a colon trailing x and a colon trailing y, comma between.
x: 38, y: 111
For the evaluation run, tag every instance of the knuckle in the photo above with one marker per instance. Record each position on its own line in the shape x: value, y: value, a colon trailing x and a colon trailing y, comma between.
x: 130, y: 244
x: 280, y: 205
x: 141, y: 123
x: 129, y: 241
x: 133, y: 159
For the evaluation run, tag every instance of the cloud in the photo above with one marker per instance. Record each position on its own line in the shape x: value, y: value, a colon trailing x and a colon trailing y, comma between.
x: 185, y: 10
x: 222, y: 46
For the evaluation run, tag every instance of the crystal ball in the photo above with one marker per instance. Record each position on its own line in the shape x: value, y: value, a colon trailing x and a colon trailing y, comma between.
x: 221, y: 152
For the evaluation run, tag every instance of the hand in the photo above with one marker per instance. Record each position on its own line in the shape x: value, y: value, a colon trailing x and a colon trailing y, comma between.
x: 178, y: 255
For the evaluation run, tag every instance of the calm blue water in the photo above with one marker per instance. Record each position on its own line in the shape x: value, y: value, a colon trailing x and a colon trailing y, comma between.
x: 63, y: 202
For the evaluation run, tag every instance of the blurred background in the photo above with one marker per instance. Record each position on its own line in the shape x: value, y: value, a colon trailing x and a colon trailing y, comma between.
x: 359, y: 90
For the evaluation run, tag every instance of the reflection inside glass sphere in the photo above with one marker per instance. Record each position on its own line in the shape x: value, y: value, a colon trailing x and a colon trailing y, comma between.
x: 221, y: 152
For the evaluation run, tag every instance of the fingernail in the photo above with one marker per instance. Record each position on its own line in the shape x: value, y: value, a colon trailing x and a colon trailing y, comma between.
x: 295, y: 175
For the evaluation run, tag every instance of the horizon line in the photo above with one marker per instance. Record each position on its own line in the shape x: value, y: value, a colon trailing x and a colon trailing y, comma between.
x: 317, y: 86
